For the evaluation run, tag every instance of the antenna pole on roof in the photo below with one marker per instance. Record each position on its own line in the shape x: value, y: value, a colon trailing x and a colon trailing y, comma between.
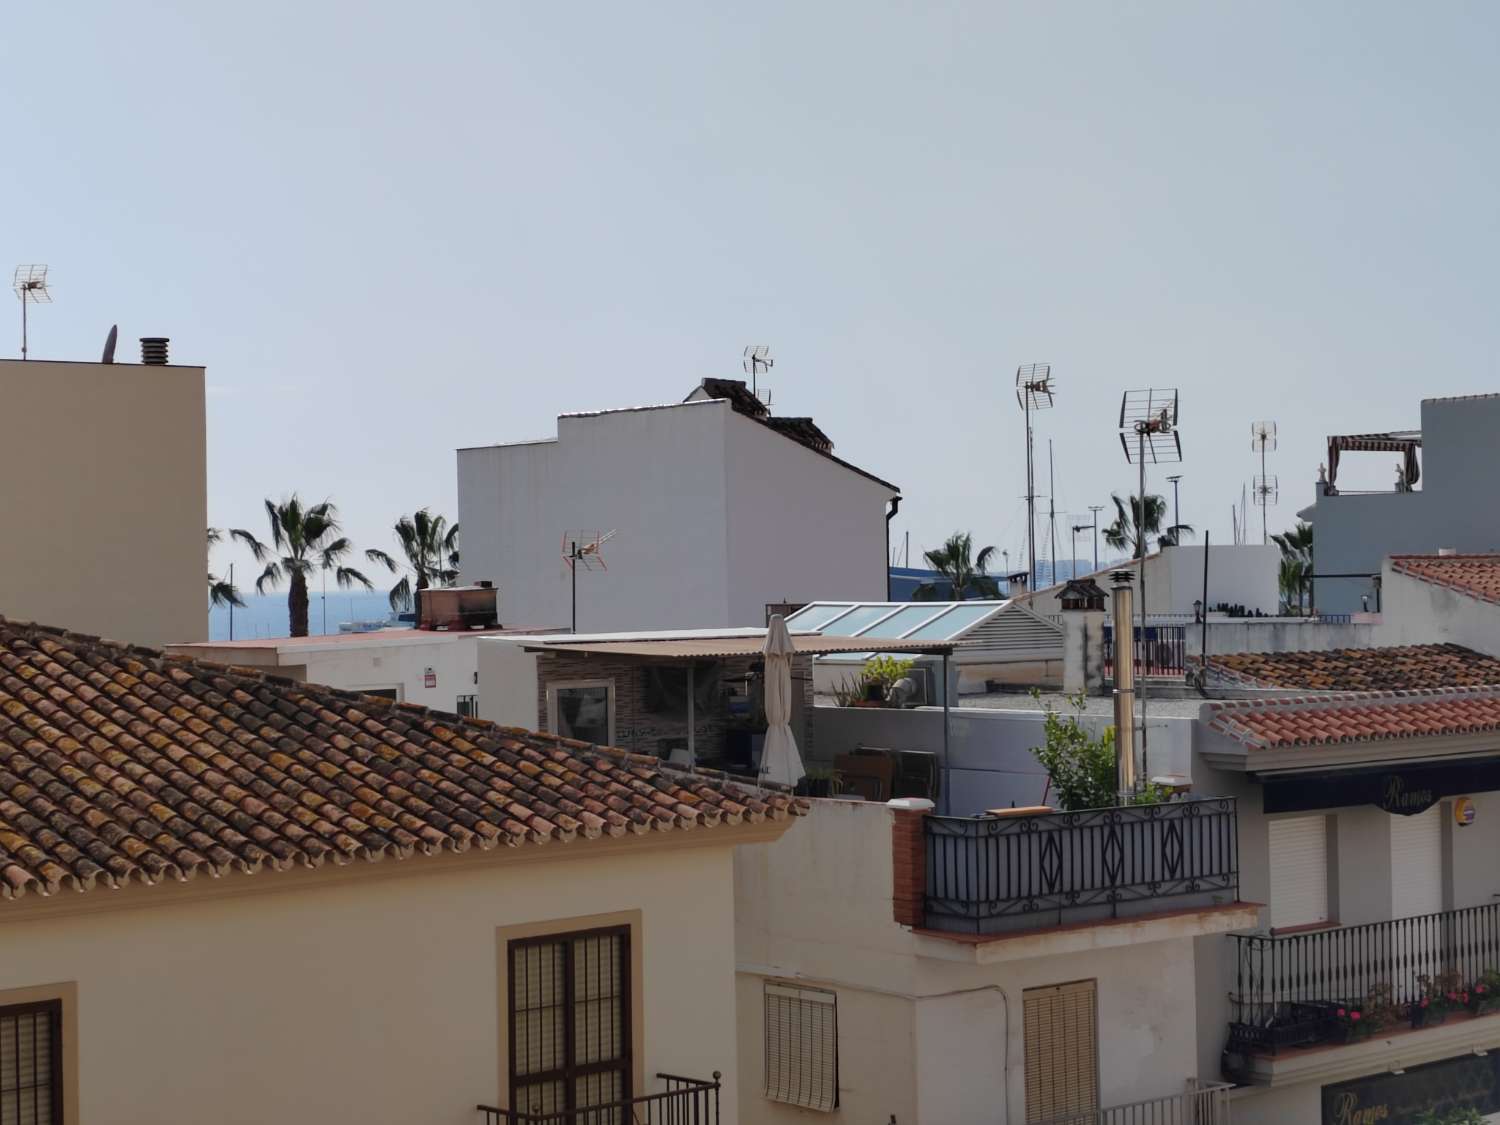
x: 1033, y: 392
x: 1096, y: 509
x: 1052, y: 512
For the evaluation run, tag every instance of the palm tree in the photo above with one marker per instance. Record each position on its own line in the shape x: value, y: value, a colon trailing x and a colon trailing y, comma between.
x: 1130, y: 532
x: 431, y: 549
x: 221, y: 591
x: 308, y: 539
x: 1296, y: 564
x: 952, y: 560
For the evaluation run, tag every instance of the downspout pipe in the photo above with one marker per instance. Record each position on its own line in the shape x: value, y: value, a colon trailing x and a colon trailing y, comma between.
x: 895, y: 506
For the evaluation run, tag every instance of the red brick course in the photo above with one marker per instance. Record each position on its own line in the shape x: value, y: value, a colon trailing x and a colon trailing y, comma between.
x: 908, y: 866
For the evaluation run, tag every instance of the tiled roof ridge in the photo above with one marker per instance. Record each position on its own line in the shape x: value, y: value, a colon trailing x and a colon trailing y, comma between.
x: 191, y: 765
x: 1229, y: 716
x: 1430, y: 569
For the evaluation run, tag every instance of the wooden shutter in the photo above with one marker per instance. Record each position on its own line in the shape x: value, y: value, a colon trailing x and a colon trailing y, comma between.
x: 1417, y: 863
x: 1299, y: 870
x: 802, y: 1040
x: 31, y: 1064
x: 1062, y: 1049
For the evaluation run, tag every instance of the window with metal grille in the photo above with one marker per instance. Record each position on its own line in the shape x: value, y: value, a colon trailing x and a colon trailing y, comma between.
x: 468, y: 706
x: 31, y: 1064
x: 1062, y: 1049
x: 570, y: 1022
x: 802, y: 1046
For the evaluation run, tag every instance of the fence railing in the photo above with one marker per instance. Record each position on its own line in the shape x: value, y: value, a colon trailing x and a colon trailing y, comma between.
x: 1207, y: 1105
x: 1284, y: 984
x: 1160, y: 650
x: 685, y: 1101
x: 1094, y: 863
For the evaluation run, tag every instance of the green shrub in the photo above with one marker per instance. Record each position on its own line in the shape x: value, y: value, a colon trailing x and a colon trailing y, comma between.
x: 1082, y: 767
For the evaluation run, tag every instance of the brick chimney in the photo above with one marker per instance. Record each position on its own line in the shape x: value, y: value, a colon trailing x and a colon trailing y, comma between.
x: 909, y: 859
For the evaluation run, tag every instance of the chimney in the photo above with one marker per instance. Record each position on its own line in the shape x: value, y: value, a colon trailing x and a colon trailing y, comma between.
x: 1124, y: 598
x: 1447, y: 552
x: 154, y: 350
x: 1083, y: 637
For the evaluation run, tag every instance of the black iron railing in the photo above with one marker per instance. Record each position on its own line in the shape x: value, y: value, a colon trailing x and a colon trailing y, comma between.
x: 1285, y: 984
x: 1077, y: 864
x: 685, y: 1101
x: 1160, y: 650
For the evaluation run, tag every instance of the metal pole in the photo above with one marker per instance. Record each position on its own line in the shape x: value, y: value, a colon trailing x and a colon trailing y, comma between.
x: 1030, y: 499
x: 1096, y: 509
x: 231, y: 601
x: 1052, y: 512
x: 1140, y: 549
x: 1264, y: 494
x: 947, y: 773
x: 23, y: 324
x: 325, y: 602
x: 1203, y: 644
x: 573, y: 554
x: 692, y: 746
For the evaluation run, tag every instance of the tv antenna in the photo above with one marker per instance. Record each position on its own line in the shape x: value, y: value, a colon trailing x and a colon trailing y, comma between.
x: 1149, y: 417
x: 30, y: 284
x: 1267, y: 491
x: 583, y: 550
x: 1034, y: 390
x: 757, y: 362
x: 1262, y: 441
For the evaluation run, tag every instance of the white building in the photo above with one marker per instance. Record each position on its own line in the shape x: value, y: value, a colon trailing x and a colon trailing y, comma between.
x: 1441, y: 502
x: 1241, y: 575
x: 721, y: 509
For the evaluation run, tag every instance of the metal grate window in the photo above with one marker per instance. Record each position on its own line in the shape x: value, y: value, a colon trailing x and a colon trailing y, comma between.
x: 802, y: 1048
x: 1062, y: 1050
x: 468, y: 706
x: 570, y: 1023
x: 31, y: 1064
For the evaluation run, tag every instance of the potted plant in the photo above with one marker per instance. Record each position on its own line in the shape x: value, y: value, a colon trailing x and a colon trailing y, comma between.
x: 1440, y: 994
x: 820, y: 781
x: 1349, y: 1023
x: 1484, y: 996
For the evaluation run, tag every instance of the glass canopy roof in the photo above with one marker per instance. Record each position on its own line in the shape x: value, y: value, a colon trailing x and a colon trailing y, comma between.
x: 917, y: 621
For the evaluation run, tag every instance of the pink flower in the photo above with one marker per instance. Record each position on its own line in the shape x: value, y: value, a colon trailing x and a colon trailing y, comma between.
x: 1481, y: 988
x: 1354, y: 1015
x: 1424, y: 1001
x: 1465, y: 997
x: 1342, y: 1013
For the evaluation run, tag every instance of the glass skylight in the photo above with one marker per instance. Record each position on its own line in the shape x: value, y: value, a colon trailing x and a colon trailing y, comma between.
x: 952, y: 623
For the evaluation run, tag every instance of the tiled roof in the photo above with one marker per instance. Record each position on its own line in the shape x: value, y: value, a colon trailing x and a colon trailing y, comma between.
x: 1328, y: 720
x: 1360, y: 669
x: 1475, y: 575
x: 120, y: 763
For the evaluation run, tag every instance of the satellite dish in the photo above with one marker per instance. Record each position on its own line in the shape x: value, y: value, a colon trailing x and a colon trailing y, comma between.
x: 109, y: 344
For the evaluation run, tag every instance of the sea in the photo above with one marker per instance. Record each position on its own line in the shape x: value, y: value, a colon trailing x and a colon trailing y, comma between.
x: 265, y: 615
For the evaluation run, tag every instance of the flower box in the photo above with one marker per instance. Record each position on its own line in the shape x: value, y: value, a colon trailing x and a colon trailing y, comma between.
x: 1429, y: 1015
x: 1484, y: 1005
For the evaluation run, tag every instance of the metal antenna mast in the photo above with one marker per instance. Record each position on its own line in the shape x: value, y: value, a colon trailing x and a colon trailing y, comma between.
x: 1176, y: 478
x: 757, y: 362
x: 1262, y: 440
x: 30, y: 284
x: 1052, y: 513
x: 1033, y: 392
x: 581, y: 550
x: 1096, y: 509
x: 1150, y: 417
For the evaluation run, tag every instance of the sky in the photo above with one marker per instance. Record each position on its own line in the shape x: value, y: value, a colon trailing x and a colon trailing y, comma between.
x: 391, y: 230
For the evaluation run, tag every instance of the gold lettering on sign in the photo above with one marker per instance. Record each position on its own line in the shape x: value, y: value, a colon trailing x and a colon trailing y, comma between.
x: 1399, y: 799
x: 1348, y: 1111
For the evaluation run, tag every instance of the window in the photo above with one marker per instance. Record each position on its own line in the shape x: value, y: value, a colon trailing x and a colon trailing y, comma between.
x: 584, y: 710
x: 570, y: 1023
x: 31, y: 1064
x: 1299, y: 871
x: 393, y: 694
x: 1062, y: 1049
x: 468, y: 706
x: 802, y: 1049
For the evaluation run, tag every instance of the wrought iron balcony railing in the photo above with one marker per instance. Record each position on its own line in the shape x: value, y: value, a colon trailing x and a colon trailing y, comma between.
x: 1285, y: 984
x: 1206, y: 1105
x: 997, y: 873
x: 685, y: 1101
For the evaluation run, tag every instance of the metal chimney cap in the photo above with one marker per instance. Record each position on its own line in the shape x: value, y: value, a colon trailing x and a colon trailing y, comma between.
x: 154, y: 350
x: 1123, y: 577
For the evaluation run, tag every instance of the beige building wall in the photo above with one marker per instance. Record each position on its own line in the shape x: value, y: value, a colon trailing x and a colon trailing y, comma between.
x: 373, y: 993
x: 925, y: 1033
x: 104, y: 499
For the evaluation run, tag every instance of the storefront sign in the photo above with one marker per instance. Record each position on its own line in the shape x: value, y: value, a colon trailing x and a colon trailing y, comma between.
x: 1406, y: 791
x: 1463, y: 812
x: 1470, y: 1082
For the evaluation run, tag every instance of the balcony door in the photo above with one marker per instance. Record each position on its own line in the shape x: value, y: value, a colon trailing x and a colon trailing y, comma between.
x: 569, y: 1004
x: 1417, y: 863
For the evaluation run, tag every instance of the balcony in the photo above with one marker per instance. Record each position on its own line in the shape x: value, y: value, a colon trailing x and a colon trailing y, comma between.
x: 1290, y: 991
x: 684, y: 1101
x: 1206, y: 1105
x: 1001, y: 874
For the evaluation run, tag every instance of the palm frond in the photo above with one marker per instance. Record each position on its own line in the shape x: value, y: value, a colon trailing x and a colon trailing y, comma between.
x: 223, y: 593
x: 331, y: 553
x: 276, y: 514
x: 214, y: 535
x: 257, y: 549
x: 347, y: 576
x: 375, y: 555
x: 269, y: 578
x: 400, y: 598
x: 982, y: 560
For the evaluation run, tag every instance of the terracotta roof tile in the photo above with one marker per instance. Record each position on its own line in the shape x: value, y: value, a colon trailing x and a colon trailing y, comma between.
x: 1322, y: 720
x: 1393, y: 668
x: 120, y: 763
x: 1475, y: 575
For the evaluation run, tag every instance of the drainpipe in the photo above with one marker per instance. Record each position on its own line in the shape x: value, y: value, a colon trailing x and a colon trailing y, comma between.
x: 890, y: 514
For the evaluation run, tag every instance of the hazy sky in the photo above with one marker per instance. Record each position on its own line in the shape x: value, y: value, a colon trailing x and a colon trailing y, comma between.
x: 389, y: 230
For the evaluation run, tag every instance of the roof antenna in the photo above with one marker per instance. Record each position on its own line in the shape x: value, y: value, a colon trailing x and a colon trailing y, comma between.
x: 757, y: 362
x: 1150, y: 417
x: 583, y: 549
x: 30, y: 284
x: 1033, y: 392
x: 1263, y: 439
x: 109, y: 344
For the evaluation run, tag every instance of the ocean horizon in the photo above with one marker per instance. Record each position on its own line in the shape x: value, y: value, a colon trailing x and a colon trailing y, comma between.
x: 266, y: 615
